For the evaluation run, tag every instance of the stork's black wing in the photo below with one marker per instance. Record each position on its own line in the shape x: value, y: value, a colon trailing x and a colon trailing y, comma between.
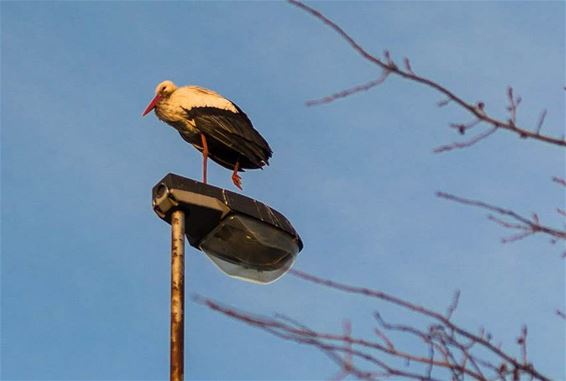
x: 233, y: 130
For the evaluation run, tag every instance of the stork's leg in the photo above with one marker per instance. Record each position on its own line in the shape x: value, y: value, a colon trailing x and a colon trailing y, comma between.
x: 204, y: 157
x: 236, y: 179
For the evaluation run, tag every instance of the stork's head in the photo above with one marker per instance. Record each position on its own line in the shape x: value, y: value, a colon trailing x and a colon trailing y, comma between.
x: 163, y: 90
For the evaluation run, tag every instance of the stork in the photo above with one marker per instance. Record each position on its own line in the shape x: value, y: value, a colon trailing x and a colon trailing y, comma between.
x: 214, y: 125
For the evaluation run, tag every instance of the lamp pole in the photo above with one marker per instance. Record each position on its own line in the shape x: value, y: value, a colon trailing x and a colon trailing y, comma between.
x: 177, y: 295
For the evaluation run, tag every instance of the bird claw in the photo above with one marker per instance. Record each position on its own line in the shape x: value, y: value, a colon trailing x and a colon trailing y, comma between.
x: 237, y: 180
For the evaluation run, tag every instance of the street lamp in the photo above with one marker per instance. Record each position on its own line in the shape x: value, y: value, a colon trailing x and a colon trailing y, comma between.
x: 245, y: 238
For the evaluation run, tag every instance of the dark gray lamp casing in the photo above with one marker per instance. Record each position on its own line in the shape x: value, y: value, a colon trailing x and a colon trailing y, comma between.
x: 245, y: 238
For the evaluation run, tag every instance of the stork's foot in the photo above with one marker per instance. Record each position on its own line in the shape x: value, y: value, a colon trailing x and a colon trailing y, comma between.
x: 237, y: 180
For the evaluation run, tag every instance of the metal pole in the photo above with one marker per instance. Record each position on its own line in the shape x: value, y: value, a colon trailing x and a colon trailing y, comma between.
x: 177, y: 295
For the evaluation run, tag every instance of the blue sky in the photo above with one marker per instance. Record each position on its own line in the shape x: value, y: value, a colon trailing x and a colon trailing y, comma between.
x: 85, y: 261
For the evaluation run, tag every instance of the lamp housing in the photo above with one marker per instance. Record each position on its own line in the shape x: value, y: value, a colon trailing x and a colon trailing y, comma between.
x: 243, y: 237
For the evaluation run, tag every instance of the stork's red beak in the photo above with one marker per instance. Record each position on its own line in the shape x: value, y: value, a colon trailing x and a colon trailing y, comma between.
x: 151, y: 104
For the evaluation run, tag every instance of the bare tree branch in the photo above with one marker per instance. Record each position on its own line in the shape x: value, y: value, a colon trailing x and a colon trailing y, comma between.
x: 389, y: 67
x: 348, y: 362
x: 525, y: 226
x: 449, y: 348
x: 326, y: 342
x: 444, y: 322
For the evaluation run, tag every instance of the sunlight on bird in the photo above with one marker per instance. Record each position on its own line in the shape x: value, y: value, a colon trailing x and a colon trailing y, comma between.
x: 212, y: 124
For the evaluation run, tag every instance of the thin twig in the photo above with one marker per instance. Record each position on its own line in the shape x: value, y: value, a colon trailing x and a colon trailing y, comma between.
x: 468, y: 143
x: 453, y: 305
x: 344, y: 93
x: 527, y: 226
x: 541, y: 121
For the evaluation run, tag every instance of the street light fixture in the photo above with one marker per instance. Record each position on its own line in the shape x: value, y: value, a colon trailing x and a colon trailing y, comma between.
x: 245, y: 238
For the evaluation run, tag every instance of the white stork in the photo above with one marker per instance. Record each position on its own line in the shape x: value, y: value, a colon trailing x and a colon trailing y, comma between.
x: 212, y: 124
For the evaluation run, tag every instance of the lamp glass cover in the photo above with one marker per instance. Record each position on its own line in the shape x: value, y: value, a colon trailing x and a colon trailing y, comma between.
x: 249, y: 249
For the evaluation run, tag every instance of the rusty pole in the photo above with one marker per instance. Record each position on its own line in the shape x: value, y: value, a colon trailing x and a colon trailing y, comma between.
x: 177, y: 295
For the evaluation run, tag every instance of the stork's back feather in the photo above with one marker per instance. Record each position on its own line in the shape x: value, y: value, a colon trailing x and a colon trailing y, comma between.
x: 234, y: 130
